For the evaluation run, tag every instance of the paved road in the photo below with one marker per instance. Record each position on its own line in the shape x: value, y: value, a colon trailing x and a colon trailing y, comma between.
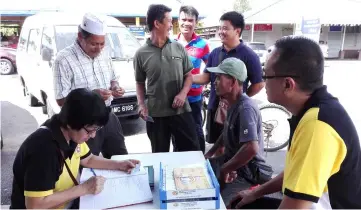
x: 18, y: 120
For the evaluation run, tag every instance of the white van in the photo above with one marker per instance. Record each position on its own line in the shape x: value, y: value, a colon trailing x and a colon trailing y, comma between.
x: 43, y: 35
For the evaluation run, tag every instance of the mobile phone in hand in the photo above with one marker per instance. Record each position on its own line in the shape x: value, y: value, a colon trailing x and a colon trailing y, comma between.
x: 149, y: 119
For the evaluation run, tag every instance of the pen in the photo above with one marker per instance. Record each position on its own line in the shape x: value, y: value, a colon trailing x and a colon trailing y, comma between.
x: 92, y: 170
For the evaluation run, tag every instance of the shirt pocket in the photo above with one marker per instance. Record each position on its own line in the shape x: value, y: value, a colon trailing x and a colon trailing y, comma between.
x: 79, y: 77
x: 176, y: 62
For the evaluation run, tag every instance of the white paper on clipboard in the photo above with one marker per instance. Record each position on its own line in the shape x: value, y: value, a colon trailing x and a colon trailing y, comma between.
x: 122, y: 190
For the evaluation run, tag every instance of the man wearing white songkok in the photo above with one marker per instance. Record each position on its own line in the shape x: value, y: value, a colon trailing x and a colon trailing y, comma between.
x: 84, y: 64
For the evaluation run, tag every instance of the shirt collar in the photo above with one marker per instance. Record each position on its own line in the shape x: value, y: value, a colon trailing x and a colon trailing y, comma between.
x: 149, y: 42
x: 54, y: 125
x: 319, y: 96
x: 236, y: 49
x: 194, y: 37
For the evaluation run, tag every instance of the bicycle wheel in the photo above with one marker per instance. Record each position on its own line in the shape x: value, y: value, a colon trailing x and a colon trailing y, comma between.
x: 275, y: 127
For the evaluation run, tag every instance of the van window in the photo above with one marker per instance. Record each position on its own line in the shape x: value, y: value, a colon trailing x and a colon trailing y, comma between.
x: 119, y: 43
x: 47, y: 39
x: 23, y: 41
x: 33, y: 42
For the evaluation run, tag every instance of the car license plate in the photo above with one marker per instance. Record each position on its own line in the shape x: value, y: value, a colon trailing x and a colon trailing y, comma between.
x: 124, y: 108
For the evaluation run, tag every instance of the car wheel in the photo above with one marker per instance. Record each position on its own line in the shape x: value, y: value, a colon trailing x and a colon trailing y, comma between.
x: 6, y: 67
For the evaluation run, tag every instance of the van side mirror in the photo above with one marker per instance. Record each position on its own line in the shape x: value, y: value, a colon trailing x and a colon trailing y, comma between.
x: 46, y: 54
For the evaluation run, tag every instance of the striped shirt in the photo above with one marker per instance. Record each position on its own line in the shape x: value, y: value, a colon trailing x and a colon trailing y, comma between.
x: 198, y: 51
x: 73, y: 69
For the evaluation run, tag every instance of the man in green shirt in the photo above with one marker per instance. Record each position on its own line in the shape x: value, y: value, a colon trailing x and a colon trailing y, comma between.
x: 167, y: 68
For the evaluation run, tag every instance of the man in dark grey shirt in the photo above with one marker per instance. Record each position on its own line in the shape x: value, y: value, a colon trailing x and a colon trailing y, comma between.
x: 166, y: 67
x: 242, y: 136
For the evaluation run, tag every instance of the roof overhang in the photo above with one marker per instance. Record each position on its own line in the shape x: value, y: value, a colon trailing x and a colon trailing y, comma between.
x: 114, y: 8
x: 338, y: 12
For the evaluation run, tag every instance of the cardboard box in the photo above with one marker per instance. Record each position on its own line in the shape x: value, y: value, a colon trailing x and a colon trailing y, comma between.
x: 189, y: 199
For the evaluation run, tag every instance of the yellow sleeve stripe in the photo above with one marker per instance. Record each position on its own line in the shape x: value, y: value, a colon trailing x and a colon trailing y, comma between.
x: 38, y: 194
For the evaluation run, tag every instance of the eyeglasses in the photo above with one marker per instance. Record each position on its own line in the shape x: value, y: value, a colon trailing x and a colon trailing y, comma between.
x: 264, y: 77
x: 92, y: 131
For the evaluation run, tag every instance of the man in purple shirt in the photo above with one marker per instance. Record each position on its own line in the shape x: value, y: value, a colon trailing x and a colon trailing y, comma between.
x: 230, y: 30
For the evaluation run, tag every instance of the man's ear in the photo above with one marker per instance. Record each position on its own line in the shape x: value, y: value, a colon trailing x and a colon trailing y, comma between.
x: 156, y: 24
x: 79, y: 36
x: 289, y: 84
x: 239, y: 31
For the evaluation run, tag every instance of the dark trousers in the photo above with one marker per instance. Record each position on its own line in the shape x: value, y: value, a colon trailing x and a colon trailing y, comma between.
x: 109, y: 140
x: 181, y: 126
x: 214, y: 130
x: 197, y: 116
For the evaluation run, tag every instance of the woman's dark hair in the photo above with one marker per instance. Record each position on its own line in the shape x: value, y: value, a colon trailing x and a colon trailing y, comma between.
x: 156, y: 12
x: 83, y: 107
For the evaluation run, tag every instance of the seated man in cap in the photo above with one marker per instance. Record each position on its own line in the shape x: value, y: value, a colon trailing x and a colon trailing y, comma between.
x: 80, y: 66
x: 242, y: 135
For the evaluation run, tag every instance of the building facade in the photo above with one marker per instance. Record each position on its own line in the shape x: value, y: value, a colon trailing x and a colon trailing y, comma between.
x: 340, y: 24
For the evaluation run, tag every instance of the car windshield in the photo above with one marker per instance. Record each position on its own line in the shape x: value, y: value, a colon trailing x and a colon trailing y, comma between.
x: 255, y: 46
x: 119, y: 42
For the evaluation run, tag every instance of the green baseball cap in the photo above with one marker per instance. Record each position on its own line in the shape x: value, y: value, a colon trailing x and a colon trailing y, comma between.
x: 233, y: 67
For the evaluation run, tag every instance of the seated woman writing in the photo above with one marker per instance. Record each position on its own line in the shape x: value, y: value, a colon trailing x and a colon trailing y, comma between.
x: 47, y: 163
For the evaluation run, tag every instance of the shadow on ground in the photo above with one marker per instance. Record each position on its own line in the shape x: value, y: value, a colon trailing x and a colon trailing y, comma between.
x: 18, y: 125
